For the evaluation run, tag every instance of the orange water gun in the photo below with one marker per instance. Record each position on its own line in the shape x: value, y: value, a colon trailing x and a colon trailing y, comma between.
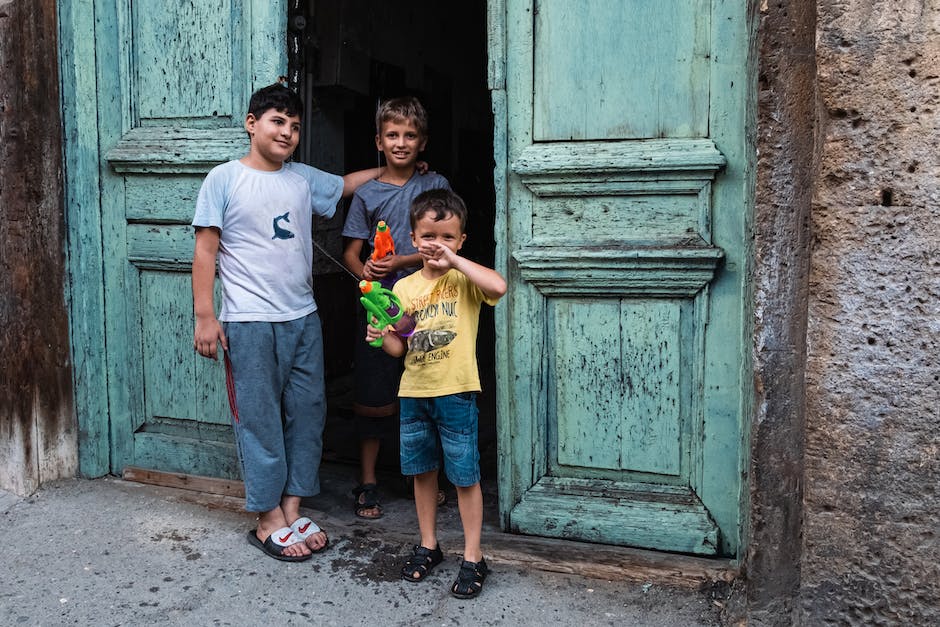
x: 384, y: 245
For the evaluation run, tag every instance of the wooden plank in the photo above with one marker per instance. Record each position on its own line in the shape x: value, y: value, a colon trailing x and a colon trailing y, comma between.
x: 37, y: 434
x: 645, y: 77
x: 162, y: 198
x: 586, y: 377
x: 183, y: 54
x: 651, y: 410
x: 606, y: 562
x: 85, y: 292
x: 197, y: 483
x: 643, y: 523
x: 615, y: 218
x: 187, y: 453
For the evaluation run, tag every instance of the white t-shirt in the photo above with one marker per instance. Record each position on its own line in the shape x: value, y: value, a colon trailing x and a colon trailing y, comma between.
x: 266, y: 249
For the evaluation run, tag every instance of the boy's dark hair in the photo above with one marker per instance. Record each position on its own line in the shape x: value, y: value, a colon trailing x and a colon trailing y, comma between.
x: 277, y: 97
x: 406, y: 108
x: 443, y: 203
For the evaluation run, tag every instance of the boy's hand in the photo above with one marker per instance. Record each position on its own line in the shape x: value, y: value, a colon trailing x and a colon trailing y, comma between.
x: 372, y: 333
x: 207, y: 337
x: 437, y: 255
x: 421, y: 167
x: 377, y: 270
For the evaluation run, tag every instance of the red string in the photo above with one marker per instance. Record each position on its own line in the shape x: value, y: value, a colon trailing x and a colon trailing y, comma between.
x: 230, y: 385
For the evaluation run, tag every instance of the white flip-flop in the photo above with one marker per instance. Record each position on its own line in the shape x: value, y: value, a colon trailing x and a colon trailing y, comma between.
x: 304, y: 527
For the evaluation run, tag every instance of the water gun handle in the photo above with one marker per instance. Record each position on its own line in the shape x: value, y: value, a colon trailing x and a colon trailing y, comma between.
x: 382, y: 304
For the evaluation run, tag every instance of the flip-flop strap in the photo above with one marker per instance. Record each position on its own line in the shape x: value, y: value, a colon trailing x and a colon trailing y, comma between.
x: 284, y: 537
x: 304, y: 527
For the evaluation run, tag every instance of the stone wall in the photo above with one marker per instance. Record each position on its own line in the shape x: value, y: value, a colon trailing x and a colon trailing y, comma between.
x: 872, y: 484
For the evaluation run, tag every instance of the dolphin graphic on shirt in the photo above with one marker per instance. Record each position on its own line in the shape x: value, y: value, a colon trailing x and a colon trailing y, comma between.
x: 279, y: 231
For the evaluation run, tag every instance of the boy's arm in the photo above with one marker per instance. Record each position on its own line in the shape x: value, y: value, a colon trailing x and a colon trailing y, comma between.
x: 490, y: 282
x: 354, y: 179
x: 208, y: 331
x: 392, y: 343
x: 352, y: 256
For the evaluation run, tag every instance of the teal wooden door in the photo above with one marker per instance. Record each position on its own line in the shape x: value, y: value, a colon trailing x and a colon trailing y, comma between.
x: 156, y: 96
x: 623, y: 182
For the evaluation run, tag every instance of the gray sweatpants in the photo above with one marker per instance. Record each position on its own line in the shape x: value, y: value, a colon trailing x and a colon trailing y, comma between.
x: 277, y: 368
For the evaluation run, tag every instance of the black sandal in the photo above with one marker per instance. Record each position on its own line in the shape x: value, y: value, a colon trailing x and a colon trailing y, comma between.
x: 469, y: 580
x: 370, y: 500
x: 421, y: 562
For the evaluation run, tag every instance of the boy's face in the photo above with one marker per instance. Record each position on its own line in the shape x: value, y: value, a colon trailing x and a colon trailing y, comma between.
x: 446, y: 232
x: 401, y: 143
x: 274, y: 135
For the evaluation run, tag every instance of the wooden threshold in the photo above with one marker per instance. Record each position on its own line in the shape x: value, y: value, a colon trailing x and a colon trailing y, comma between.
x: 196, y: 483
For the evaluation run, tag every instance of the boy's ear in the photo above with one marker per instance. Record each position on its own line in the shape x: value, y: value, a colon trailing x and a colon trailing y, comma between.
x: 378, y: 142
x: 424, y: 144
x: 250, y: 120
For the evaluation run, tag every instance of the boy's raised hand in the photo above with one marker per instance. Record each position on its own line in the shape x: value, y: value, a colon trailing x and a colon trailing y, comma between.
x: 437, y: 255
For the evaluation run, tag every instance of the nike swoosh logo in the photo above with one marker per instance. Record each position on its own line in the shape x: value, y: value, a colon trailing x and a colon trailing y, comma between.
x: 304, y: 528
x: 284, y: 539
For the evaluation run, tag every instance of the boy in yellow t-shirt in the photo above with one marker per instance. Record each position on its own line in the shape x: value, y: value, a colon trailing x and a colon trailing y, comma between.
x: 438, y: 389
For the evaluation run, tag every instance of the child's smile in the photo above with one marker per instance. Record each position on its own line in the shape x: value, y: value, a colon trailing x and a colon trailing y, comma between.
x: 274, y: 136
x: 400, y: 142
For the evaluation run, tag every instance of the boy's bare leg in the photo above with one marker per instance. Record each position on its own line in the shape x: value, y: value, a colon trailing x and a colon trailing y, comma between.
x: 470, y: 504
x: 368, y: 458
x: 269, y: 522
x: 426, y: 507
x: 291, y: 508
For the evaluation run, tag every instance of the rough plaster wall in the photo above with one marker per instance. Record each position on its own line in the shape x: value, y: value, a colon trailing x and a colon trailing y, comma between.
x: 872, y: 509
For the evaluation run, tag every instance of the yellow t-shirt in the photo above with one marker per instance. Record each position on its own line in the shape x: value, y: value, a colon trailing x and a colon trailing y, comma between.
x: 441, y: 357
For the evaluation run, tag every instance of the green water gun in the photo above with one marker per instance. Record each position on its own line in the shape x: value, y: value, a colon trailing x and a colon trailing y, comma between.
x: 386, y: 310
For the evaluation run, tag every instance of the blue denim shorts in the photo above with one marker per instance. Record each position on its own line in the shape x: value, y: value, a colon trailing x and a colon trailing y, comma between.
x: 436, y: 425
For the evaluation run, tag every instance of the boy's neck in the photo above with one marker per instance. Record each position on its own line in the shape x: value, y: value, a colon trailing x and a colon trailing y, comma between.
x: 256, y: 162
x: 397, y: 176
x: 431, y: 274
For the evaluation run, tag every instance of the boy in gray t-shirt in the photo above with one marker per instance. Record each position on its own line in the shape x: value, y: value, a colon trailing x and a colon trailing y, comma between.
x: 401, y: 134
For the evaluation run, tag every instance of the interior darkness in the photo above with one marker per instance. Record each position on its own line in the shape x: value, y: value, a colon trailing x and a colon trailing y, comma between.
x: 351, y: 55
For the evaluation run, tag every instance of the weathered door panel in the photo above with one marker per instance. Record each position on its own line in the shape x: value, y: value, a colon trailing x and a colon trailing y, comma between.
x: 623, y: 237
x: 173, y: 80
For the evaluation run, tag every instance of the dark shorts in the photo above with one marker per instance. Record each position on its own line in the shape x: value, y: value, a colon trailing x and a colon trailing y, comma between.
x: 442, y: 424
x: 377, y: 374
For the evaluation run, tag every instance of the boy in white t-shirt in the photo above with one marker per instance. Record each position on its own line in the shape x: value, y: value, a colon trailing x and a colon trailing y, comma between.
x: 255, y: 215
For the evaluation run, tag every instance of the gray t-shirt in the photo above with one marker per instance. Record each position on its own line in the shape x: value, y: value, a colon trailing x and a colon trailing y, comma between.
x: 375, y: 201
x: 266, y: 249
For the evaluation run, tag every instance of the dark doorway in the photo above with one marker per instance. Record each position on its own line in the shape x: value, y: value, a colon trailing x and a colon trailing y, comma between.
x: 346, y: 57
